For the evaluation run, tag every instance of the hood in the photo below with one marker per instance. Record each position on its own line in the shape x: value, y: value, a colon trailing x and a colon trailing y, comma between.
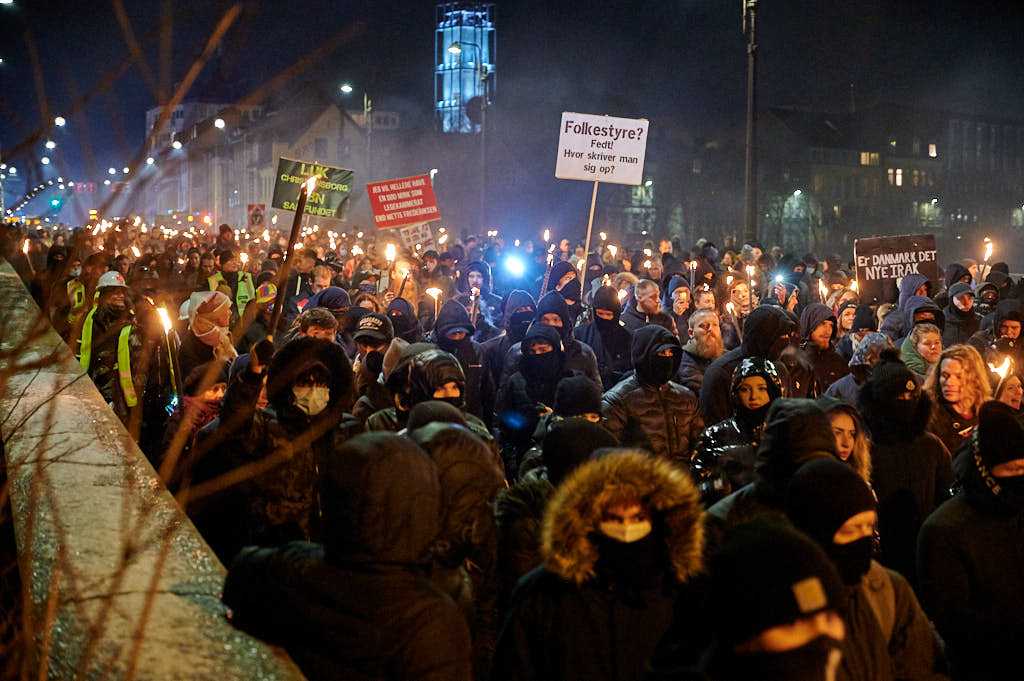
x: 296, y: 358
x: 538, y: 331
x: 333, y: 298
x: 428, y: 371
x: 869, y: 349
x: 571, y: 442
x: 763, y: 327
x: 1005, y: 309
x: 553, y: 302
x: 756, y: 366
x: 647, y: 342
x: 796, y: 431
x: 815, y: 314
x: 404, y: 321
x: 381, y: 500
x: 576, y: 509
x: 676, y: 281
x: 476, y: 266
x: 559, y: 270
x: 515, y: 299
x: 452, y: 317
x: 595, y: 270
x: 999, y: 279
x: 917, y: 304
x: 953, y: 273
x: 607, y: 298
x: 908, y: 285
x: 912, y: 358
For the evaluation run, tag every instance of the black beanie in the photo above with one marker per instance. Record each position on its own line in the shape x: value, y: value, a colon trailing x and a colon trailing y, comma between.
x: 823, y: 495
x: 890, y: 377
x: 865, y: 319
x: 766, y: 575
x: 1000, y: 436
x: 571, y: 442
x: 577, y: 395
x: 433, y: 411
x: 796, y: 431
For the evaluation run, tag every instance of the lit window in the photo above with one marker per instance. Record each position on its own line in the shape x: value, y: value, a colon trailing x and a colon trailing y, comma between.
x: 933, y: 150
x: 865, y: 158
x: 915, y: 178
x: 875, y: 159
x: 892, y: 175
x: 899, y: 177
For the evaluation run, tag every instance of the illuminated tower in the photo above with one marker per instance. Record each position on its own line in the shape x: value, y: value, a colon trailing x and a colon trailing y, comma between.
x: 464, y: 55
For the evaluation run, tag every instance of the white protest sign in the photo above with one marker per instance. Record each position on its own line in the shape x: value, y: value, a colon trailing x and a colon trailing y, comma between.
x: 418, y: 234
x: 601, y: 149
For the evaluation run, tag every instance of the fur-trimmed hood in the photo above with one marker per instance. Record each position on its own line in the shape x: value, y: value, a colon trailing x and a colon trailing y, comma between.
x: 576, y: 509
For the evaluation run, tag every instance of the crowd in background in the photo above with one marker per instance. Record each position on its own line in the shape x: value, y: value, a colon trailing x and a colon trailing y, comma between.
x: 478, y: 459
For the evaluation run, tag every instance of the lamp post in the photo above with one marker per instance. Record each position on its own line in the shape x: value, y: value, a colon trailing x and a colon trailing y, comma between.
x: 346, y: 89
x: 482, y: 73
x: 750, y: 169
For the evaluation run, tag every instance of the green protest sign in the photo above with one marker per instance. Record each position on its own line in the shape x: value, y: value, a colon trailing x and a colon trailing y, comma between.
x: 332, y: 188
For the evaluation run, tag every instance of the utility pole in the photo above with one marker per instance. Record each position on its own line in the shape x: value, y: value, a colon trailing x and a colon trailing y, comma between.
x: 483, y: 145
x: 750, y: 207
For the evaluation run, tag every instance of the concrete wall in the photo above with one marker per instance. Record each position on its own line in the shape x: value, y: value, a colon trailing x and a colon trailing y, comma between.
x: 120, y: 583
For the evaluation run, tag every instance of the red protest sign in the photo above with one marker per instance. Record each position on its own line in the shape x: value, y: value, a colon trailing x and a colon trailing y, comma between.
x: 402, y: 202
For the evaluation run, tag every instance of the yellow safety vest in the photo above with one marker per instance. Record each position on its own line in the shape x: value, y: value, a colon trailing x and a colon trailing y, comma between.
x: 85, y: 341
x: 244, y: 292
x: 76, y: 294
x: 124, y: 358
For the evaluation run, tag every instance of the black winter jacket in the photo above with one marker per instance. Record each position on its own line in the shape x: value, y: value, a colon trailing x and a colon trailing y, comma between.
x: 691, y: 368
x: 960, y: 325
x: 827, y: 365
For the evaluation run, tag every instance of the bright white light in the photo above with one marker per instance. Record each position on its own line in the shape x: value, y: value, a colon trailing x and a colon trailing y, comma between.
x: 219, y: 124
x: 13, y: 170
x: 455, y: 48
x: 106, y: 182
x: 3, y: 166
x: 45, y: 160
x: 150, y: 160
x: 648, y: 183
x: 111, y: 171
x: 59, y: 120
x: 50, y: 144
x: 515, y: 266
x: 433, y: 172
x: 797, y: 193
x: 346, y: 88
x: 125, y: 170
x: 176, y: 144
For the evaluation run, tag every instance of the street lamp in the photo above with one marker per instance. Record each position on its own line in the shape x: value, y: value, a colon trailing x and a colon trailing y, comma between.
x: 456, y: 49
x: 59, y: 121
x: 219, y: 123
x: 750, y: 165
x: 347, y: 89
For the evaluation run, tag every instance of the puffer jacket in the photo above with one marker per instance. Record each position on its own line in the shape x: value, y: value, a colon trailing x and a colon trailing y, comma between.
x: 583, y: 616
x: 692, y: 367
x: 360, y: 605
x: 895, y: 325
x: 663, y: 419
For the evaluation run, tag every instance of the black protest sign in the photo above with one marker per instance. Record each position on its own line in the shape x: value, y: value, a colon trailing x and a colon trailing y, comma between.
x: 883, y: 260
x: 328, y: 200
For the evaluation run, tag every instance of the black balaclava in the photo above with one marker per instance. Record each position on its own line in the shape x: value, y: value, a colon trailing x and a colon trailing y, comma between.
x: 542, y: 372
x: 753, y: 419
x: 430, y: 370
x: 571, y: 293
x: 516, y: 323
x: 999, y: 439
x: 607, y: 298
x: 651, y: 368
x: 451, y: 318
x: 824, y: 494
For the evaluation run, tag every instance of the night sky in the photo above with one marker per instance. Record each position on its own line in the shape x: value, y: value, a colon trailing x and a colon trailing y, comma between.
x: 683, y: 59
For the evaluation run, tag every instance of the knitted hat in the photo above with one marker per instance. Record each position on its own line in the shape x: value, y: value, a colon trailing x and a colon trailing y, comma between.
x: 1000, y: 436
x: 890, y: 377
x: 960, y: 288
x: 569, y: 443
x: 433, y: 411
x: 265, y: 293
x: 864, y: 319
x: 577, y: 395
x: 824, y: 494
x: 766, y: 575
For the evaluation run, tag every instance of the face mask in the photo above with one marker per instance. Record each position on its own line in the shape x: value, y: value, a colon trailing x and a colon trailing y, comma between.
x: 311, y: 399
x: 816, y: 660
x: 627, y: 534
x: 852, y: 560
x: 75, y: 271
x: 604, y: 325
x: 661, y: 369
x: 541, y: 367
x: 374, y: 362
x: 518, y: 323
x: 456, y: 402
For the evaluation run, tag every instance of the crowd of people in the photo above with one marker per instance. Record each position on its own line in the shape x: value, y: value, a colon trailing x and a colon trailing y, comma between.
x: 528, y: 462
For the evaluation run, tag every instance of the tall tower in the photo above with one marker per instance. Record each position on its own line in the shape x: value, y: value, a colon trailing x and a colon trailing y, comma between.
x: 464, y: 56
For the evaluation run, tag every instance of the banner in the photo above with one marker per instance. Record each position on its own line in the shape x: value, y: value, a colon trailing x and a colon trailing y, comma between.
x: 883, y: 260
x: 328, y: 200
x: 601, y: 149
x: 403, y: 201
x: 418, y: 234
x: 256, y: 212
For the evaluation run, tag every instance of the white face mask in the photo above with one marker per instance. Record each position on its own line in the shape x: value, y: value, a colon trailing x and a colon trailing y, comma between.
x: 311, y: 399
x: 626, y: 533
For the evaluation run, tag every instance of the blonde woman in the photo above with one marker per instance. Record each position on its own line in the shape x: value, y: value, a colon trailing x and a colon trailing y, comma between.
x: 958, y: 385
x: 852, y: 444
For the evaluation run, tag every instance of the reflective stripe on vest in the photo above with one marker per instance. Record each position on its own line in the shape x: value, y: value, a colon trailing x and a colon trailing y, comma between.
x: 124, y: 366
x: 85, y: 342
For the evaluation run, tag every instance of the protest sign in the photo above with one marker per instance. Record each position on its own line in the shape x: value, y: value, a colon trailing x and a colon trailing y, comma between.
x: 256, y: 212
x: 403, y: 201
x: 418, y: 234
x: 328, y: 200
x: 601, y: 149
x: 883, y: 260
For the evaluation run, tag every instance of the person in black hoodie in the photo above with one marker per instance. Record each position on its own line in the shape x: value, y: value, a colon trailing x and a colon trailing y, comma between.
x: 453, y: 333
x: 552, y: 311
x: 971, y: 553
x: 864, y: 322
x: 817, y: 339
x: 726, y: 452
x: 766, y: 332
x: 1006, y: 322
x: 530, y: 391
x: 360, y: 604
x: 477, y: 275
x: 517, y: 311
x: 911, y: 471
x: 956, y: 273
x: 404, y: 321
x: 961, y: 320
x: 608, y: 337
x: 648, y: 410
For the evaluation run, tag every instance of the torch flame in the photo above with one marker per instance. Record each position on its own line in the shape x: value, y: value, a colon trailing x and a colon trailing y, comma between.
x: 311, y: 184
x: 728, y: 280
x: 1003, y: 369
x: 647, y: 252
x: 547, y: 235
x: 165, y: 319
x: 551, y: 248
x: 135, y: 251
x: 24, y: 247
x: 730, y: 308
x: 244, y: 257
x: 433, y: 292
x: 604, y: 236
x: 854, y: 286
x: 647, y: 264
x: 750, y: 271
x: 822, y: 289
x: 988, y: 248
x: 389, y: 252
x: 356, y: 250
x: 622, y: 294
x: 613, y: 249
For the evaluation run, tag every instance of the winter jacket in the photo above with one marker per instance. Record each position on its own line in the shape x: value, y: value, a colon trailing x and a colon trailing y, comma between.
x: 692, y: 367
x: 280, y: 503
x: 954, y: 273
x: 894, y: 326
x: 519, y: 512
x: 913, y: 359
x: 951, y: 428
x: 910, y: 472
x: 495, y: 350
x: 763, y: 327
x: 662, y: 418
x: 919, y: 304
x: 611, y: 344
x: 845, y: 389
x: 584, y: 616
x: 827, y: 365
x: 960, y: 325
x: 633, y: 319
x: 480, y: 391
x: 971, y: 565
x: 360, y: 606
